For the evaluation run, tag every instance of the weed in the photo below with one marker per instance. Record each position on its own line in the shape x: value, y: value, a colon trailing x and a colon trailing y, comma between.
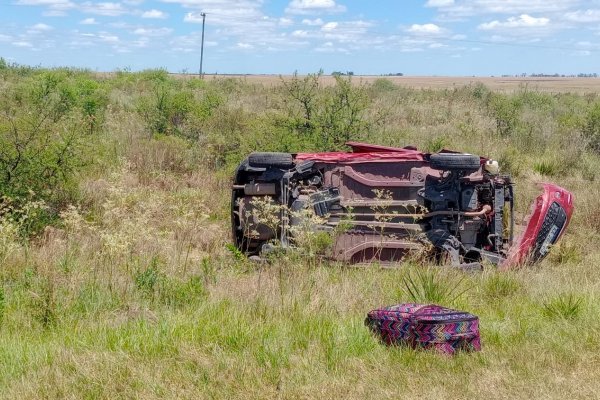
x: 566, y: 251
x: 436, y: 144
x: 209, y: 272
x: 423, y: 285
x: 2, y: 304
x: 43, y: 303
x: 547, y: 167
x: 147, y: 280
x: 237, y: 254
x: 500, y: 284
x: 566, y: 306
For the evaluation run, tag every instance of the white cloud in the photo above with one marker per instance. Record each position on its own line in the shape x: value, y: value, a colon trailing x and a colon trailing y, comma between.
x: 54, y: 13
x: 40, y: 28
x: 583, y: 16
x: 5, y: 38
x: 439, y: 3
x: 329, y: 47
x: 245, y: 46
x: 107, y: 9
x: 242, y: 21
x: 154, y: 14
x: 523, y: 21
x: 467, y: 8
x: 425, y: 29
x: 51, y: 3
x: 152, y: 31
x: 312, y: 22
x: 88, y: 21
x: 300, y: 34
x: 411, y: 49
x: 22, y: 44
x: 330, y: 26
x: 314, y: 6
x: 108, y: 37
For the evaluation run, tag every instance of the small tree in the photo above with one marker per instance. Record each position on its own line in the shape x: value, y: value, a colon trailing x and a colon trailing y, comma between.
x: 326, y: 117
x: 43, y: 126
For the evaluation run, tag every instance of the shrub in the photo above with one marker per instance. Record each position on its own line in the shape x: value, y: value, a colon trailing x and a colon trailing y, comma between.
x: 342, y: 118
x: 383, y: 85
x: 591, y: 129
x: 93, y: 101
x: 43, y: 139
x: 326, y: 117
x: 506, y: 111
x: 171, y: 109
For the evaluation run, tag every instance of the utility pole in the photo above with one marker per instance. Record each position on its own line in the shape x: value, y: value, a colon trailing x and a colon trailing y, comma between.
x: 202, y: 44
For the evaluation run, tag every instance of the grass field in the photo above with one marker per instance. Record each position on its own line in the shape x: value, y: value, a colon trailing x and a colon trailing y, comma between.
x: 127, y: 289
x: 506, y: 84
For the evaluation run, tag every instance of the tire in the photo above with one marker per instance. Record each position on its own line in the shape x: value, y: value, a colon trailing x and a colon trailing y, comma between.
x: 454, y: 162
x: 266, y: 160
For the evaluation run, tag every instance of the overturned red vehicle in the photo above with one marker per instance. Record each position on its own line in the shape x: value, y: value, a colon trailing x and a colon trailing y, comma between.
x: 391, y: 202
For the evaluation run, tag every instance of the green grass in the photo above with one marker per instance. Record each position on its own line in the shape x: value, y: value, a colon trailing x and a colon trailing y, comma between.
x: 136, y: 292
x: 246, y: 340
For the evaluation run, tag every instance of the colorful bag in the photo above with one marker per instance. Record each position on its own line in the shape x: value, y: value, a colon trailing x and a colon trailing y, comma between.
x: 426, y: 326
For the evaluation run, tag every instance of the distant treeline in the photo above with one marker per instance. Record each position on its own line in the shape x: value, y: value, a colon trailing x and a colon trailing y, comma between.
x: 593, y: 75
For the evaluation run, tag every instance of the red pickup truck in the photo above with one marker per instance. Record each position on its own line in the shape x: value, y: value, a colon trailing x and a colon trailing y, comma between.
x: 392, y: 202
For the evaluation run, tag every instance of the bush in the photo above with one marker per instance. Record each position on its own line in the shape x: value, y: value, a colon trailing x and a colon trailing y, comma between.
x: 591, y: 129
x: 506, y: 111
x: 43, y: 138
x: 383, y: 85
x: 325, y: 117
x: 172, y: 109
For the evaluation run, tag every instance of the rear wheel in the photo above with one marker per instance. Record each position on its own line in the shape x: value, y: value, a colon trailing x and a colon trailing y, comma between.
x: 454, y: 162
x: 266, y: 160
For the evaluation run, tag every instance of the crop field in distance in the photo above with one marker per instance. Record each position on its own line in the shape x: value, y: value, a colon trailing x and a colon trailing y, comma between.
x: 506, y: 84
x: 118, y: 279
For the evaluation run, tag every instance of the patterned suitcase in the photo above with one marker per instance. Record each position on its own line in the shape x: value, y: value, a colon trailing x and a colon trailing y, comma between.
x: 427, y: 326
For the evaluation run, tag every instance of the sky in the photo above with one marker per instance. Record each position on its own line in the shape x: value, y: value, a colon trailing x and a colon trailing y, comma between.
x: 413, y: 37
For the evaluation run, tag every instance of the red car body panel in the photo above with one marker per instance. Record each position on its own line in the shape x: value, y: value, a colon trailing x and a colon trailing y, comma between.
x: 363, y: 152
x: 337, y: 157
x: 527, y: 245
